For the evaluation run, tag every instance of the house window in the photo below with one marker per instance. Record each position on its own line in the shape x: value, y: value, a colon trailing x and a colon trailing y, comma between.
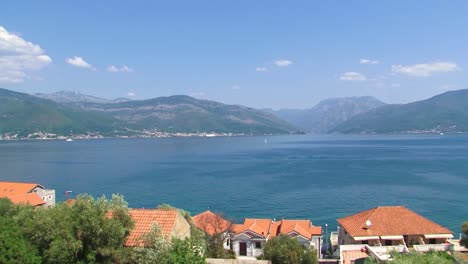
x: 227, y: 242
x: 43, y: 198
x: 49, y: 197
x: 365, y: 242
x: 432, y: 241
x: 388, y: 242
x: 258, y: 244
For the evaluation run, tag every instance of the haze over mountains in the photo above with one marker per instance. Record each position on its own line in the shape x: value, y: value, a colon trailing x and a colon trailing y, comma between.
x: 447, y: 112
x: 328, y: 113
x: 76, y: 97
x: 68, y: 114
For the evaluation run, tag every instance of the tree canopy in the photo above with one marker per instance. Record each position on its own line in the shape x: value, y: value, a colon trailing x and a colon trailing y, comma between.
x: 284, y: 249
x: 464, y: 240
x: 87, y: 230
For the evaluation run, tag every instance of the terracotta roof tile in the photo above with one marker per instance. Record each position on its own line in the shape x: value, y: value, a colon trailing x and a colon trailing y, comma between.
x: 301, y: 227
x: 350, y: 256
x: 390, y: 220
x: 27, y: 198
x: 20, y: 193
x: 264, y: 227
x: 258, y: 226
x: 211, y: 223
x: 145, y: 219
x: 16, y: 188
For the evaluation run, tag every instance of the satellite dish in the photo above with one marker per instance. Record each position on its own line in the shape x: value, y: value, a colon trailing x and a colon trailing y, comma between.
x: 368, y: 223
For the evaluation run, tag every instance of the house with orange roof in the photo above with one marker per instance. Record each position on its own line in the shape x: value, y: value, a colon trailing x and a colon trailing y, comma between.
x: 27, y: 193
x: 390, y: 226
x: 170, y: 221
x: 249, y: 238
x: 212, y: 223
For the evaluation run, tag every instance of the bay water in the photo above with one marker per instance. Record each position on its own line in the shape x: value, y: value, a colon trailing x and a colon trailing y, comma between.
x: 314, y: 177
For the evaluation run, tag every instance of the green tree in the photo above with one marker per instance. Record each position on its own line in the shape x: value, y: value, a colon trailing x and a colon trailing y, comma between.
x: 284, y: 249
x: 464, y: 240
x: 431, y: 257
x: 154, y: 250
x: 87, y: 231
x: 184, y: 252
x: 14, y: 248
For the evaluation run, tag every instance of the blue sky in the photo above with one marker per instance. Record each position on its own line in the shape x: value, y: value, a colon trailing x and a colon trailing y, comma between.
x: 277, y: 54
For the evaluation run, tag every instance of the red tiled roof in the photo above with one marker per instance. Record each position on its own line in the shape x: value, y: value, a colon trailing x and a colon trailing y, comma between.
x: 211, y: 223
x: 390, y: 220
x: 20, y: 193
x: 16, y: 188
x: 301, y: 227
x: 349, y: 256
x: 145, y: 219
x: 27, y: 198
x: 259, y: 226
x: 267, y: 226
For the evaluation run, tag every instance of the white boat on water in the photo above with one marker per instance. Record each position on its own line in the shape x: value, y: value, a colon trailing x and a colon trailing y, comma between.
x: 69, y: 140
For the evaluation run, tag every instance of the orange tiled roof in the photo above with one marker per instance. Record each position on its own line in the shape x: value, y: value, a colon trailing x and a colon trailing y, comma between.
x: 302, y: 227
x: 16, y: 188
x: 211, y: 223
x: 258, y: 226
x: 27, y: 198
x: 145, y: 219
x: 390, y: 220
x: 349, y: 256
x: 275, y: 228
x: 20, y: 193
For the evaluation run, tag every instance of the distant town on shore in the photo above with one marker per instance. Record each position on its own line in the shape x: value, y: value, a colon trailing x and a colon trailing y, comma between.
x: 64, y: 115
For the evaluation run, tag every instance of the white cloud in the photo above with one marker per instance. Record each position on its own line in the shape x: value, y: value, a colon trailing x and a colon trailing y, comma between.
x: 235, y: 87
x: 353, y: 76
x: 19, y: 57
x: 261, y: 69
x: 368, y: 61
x: 131, y: 94
x: 79, y: 62
x: 124, y: 68
x: 425, y: 69
x: 282, y: 63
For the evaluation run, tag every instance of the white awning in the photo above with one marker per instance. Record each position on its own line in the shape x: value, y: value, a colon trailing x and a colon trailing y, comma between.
x: 438, y: 236
x: 365, y: 238
x: 399, y: 237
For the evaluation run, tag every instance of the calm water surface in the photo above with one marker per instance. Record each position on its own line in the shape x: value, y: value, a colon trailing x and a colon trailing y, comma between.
x: 321, y: 178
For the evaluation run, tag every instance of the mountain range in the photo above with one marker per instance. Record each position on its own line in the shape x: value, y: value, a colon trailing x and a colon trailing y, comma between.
x: 447, y: 112
x: 328, y: 113
x: 71, y: 113
x: 65, y: 97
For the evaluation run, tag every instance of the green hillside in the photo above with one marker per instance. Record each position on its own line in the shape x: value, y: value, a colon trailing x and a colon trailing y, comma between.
x: 328, y: 113
x: 182, y: 113
x: 447, y: 112
x: 23, y: 113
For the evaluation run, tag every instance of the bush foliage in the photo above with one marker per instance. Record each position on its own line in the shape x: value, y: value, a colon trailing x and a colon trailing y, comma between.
x: 86, y: 231
x: 284, y: 249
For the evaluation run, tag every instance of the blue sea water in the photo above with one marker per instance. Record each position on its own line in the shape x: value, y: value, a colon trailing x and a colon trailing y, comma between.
x: 321, y: 178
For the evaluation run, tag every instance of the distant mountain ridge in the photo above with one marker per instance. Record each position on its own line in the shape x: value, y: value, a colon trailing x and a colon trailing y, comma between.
x: 183, y: 113
x: 76, y: 97
x: 447, y: 112
x: 23, y: 113
x: 328, y: 113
